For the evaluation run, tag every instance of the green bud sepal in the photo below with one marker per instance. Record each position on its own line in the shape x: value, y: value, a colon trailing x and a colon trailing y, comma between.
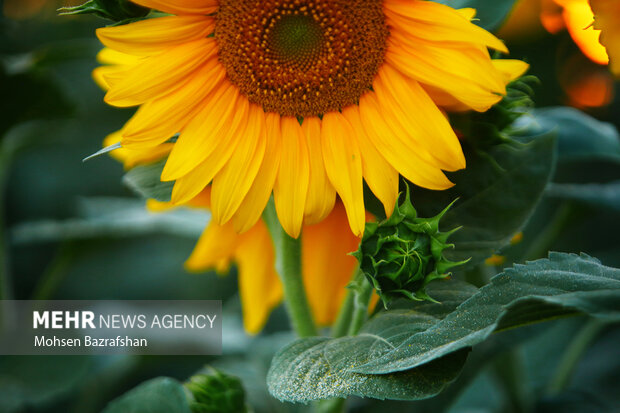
x: 401, y: 255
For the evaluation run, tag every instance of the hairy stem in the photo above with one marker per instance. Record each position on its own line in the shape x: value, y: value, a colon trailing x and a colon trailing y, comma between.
x: 289, y: 255
x: 363, y: 292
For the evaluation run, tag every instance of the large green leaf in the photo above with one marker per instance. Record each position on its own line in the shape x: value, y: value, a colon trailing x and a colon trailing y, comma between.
x: 490, y: 13
x: 320, y: 367
x: 541, y: 290
x: 160, y: 395
x: 496, y: 194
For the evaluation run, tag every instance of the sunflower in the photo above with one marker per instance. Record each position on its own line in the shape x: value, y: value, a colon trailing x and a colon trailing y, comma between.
x: 607, y: 20
x: 326, y: 265
x: 302, y: 99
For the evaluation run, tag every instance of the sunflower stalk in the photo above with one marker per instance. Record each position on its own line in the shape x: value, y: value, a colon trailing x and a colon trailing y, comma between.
x: 362, y: 293
x: 350, y: 307
x: 288, y: 264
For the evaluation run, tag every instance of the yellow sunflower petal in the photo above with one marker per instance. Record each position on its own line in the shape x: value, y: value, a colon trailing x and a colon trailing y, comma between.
x: 130, y: 157
x: 158, y: 120
x: 217, y: 243
x: 438, y: 23
x: 180, y: 6
x: 155, y: 75
x: 99, y: 75
x: 438, y: 65
x: 233, y: 182
x: 114, y: 57
x: 397, y: 149
x: 221, y: 114
x: 467, y: 12
x: 327, y: 266
x: 416, y: 112
x: 381, y: 177
x: 291, y: 186
x: 343, y: 163
x: 189, y: 185
x: 155, y: 206
x: 510, y: 69
x: 321, y: 193
x: 150, y: 36
x: 114, y: 63
x: 259, y: 286
x: 254, y: 203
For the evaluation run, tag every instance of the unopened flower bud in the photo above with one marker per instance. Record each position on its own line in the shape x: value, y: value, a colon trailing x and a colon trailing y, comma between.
x: 216, y: 393
x: 404, y: 253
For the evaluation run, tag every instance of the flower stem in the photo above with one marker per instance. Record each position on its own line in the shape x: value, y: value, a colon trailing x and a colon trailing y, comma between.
x: 345, y: 314
x: 363, y: 292
x: 288, y: 265
x: 510, y: 372
x: 289, y: 256
x: 541, y: 245
x: 354, y: 309
x: 564, y: 372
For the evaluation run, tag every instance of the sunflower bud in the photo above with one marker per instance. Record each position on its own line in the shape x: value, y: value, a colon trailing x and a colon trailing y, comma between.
x: 116, y: 10
x: 216, y: 393
x: 404, y: 253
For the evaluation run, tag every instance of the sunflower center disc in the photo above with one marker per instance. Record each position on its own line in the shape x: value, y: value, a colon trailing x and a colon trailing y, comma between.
x: 301, y: 58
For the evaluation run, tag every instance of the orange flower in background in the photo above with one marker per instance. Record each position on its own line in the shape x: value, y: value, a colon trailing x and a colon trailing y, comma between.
x: 607, y: 20
x: 586, y: 83
x: 305, y: 100
x: 578, y: 18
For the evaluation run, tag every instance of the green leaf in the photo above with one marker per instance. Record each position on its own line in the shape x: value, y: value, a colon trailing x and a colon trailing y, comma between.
x: 116, y: 10
x: 497, y: 193
x: 145, y: 181
x: 604, y: 195
x: 115, y: 218
x: 160, y: 395
x: 27, y: 381
x: 490, y: 13
x: 320, y: 368
x: 580, y: 136
x: 563, y: 284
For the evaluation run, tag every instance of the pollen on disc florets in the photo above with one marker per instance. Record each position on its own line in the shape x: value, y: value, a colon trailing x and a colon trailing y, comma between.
x: 301, y: 57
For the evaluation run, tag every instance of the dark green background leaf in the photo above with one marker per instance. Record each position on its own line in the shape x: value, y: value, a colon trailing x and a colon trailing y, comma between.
x: 497, y: 193
x: 603, y: 195
x: 28, y: 381
x: 145, y: 181
x: 580, y: 136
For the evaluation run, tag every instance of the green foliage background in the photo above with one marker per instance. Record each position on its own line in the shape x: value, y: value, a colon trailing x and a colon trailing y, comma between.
x: 71, y: 230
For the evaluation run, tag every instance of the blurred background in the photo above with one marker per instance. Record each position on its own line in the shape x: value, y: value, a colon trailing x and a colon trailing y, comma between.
x: 71, y: 230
